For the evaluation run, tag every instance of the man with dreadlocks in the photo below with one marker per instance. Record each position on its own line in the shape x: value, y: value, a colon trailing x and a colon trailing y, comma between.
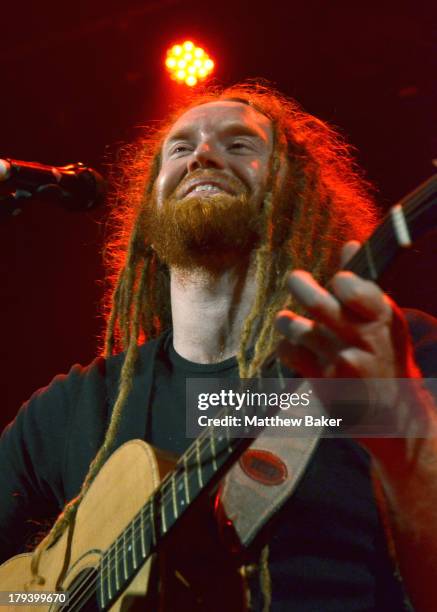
x: 235, y: 191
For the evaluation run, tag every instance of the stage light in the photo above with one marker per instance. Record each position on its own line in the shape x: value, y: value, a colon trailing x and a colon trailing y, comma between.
x: 188, y: 63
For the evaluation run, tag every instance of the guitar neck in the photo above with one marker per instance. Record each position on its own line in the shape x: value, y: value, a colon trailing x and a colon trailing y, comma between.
x: 405, y: 223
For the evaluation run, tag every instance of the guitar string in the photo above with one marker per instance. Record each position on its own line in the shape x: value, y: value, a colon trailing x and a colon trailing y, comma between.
x: 360, y: 259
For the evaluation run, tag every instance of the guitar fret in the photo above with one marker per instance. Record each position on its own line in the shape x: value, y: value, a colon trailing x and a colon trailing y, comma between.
x: 117, y: 578
x: 163, y: 520
x: 143, y: 543
x: 400, y: 226
x: 174, y: 498
x: 187, y: 488
x: 109, y: 576
x: 152, y: 521
x: 213, y: 451
x: 133, y: 544
x: 180, y: 487
x: 198, y: 460
x: 102, y: 580
x: 124, y: 556
x: 208, y: 459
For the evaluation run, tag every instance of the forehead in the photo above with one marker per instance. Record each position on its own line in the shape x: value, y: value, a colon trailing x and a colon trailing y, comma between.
x: 214, y: 116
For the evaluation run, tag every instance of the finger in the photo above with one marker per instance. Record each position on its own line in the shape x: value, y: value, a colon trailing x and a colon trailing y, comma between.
x: 362, y: 297
x: 324, y: 307
x: 292, y: 326
x: 317, y: 300
x: 314, y: 349
x: 301, y: 332
x: 348, y: 251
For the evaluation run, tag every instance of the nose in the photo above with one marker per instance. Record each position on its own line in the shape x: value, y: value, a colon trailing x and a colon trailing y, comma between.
x: 205, y: 156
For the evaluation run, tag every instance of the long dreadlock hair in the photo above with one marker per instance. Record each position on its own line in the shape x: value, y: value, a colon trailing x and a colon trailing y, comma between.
x: 327, y: 203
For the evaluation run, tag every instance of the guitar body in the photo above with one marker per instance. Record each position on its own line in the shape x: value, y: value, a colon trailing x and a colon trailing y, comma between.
x: 120, y: 489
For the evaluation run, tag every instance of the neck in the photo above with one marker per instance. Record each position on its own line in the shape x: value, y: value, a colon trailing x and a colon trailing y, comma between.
x: 208, y: 312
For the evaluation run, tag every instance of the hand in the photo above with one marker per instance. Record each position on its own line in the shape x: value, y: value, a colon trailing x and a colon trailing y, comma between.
x: 355, y: 330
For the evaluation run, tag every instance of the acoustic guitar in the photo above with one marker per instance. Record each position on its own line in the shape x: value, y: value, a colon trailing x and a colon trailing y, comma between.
x: 107, y: 560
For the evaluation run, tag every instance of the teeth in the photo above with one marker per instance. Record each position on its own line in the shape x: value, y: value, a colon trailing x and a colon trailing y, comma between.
x: 207, y: 187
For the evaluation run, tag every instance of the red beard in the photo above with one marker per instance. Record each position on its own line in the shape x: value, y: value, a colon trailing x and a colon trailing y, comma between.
x: 213, y: 232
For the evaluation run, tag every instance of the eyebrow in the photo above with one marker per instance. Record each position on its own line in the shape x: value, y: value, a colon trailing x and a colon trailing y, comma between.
x: 236, y: 128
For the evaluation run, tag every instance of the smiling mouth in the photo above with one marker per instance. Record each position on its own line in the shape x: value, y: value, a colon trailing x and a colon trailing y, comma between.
x: 207, y: 188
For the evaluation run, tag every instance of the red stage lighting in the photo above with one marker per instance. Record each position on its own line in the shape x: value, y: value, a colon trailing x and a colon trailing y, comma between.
x: 188, y: 63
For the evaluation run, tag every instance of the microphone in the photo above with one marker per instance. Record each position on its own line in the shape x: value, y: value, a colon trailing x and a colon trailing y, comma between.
x: 76, y: 186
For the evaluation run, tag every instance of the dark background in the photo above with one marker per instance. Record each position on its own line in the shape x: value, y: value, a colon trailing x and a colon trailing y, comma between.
x: 79, y: 79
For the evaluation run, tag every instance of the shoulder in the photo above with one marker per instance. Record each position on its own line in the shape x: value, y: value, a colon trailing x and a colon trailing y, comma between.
x: 83, y: 389
x: 88, y: 383
x: 35, y: 441
x: 65, y: 390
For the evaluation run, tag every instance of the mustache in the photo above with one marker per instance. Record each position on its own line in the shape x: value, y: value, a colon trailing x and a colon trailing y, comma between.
x: 232, y: 182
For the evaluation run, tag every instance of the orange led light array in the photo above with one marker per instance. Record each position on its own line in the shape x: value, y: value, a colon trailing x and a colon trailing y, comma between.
x: 188, y: 64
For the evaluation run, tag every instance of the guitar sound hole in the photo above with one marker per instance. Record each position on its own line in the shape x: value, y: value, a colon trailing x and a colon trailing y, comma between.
x: 82, y: 592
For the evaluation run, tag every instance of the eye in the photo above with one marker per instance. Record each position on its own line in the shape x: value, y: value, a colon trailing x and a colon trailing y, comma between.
x: 180, y: 148
x: 239, y: 145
